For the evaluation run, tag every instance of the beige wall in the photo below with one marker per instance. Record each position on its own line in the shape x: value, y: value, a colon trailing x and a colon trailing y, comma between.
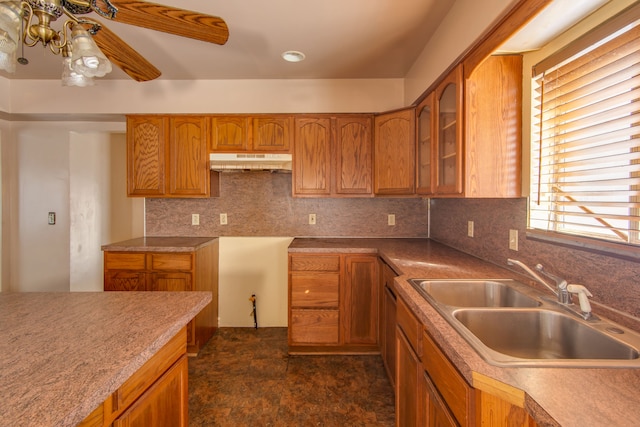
x: 63, y: 168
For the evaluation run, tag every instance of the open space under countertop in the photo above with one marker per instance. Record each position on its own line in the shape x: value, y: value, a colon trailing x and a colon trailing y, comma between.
x: 553, y: 396
x: 62, y: 354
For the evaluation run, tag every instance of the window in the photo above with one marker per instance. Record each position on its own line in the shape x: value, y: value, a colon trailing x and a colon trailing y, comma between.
x: 586, y: 136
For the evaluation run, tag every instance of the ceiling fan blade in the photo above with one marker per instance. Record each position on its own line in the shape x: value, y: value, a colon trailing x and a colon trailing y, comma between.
x: 180, y: 22
x: 124, y: 56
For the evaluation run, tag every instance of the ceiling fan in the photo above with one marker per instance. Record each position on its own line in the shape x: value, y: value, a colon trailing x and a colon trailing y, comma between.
x: 34, y: 18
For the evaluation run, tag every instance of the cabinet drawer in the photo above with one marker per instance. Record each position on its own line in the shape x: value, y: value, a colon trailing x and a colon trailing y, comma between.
x: 124, y: 261
x: 314, y: 327
x: 411, y: 327
x: 315, y: 263
x: 144, y: 377
x: 171, y: 261
x: 315, y: 290
x: 455, y: 391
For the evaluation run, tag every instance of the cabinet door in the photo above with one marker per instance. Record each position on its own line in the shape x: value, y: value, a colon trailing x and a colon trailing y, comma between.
x: 408, y: 372
x: 353, y: 154
x: 115, y: 280
x: 449, y: 133
x: 229, y: 133
x: 164, y: 404
x: 394, y: 153
x: 435, y: 411
x: 361, y: 300
x: 146, y: 155
x: 188, y: 156
x: 172, y: 282
x: 389, y: 344
x: 312, y: 156
x: 272, y: 133
x: 425, y: 148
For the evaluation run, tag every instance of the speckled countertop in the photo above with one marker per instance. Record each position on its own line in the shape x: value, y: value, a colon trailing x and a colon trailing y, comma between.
x: 554, y: 396
x: 62, y: 354
x: 160, y: 244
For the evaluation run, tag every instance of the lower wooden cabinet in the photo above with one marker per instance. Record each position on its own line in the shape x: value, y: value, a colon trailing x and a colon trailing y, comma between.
x: 387, y: 323
x: 195, y: 270
x: 165, y: 403
x: 431, y: 392
x: 155, y: 395
x: 408, y: 373
x: 333, y: 303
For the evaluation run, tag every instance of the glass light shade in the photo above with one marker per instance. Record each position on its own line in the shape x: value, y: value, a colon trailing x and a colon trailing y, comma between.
x: 9, y: 26
x: 8, y: 61
x: 71, y: 78
x: 87, y: 59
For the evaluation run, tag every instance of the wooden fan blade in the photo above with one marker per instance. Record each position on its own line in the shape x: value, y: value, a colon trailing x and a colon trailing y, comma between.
x: 124, y: 56
x: 180, y: 22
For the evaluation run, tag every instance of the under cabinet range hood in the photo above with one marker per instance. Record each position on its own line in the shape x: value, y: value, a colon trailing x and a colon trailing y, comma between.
x: 250, y: 161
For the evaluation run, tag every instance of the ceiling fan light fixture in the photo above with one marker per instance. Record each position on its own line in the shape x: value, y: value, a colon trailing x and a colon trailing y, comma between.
x: 9, y: 26
x: 86, y: 58
x: 293, y: 56
x: 8, y: 61
x: 71, y: 77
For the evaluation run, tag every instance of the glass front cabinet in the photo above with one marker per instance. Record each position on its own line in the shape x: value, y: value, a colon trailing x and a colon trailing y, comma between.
x: 439, y: 146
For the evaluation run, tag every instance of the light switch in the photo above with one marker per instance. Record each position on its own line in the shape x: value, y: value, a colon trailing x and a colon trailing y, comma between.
x: 52, y: 218
x: 195, y: 219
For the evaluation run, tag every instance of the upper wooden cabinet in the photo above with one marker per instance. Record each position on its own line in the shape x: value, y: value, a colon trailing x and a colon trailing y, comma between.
x: 394, y: 153
x: 425, y: 148
x: 332, y: 156
x: 229, y: 133
x: 238, y: 133
x: 493, y: 128
x: 146, y: 155
x: 448, y: 127
x: 469, y: 132
x: 188, y: 157
x: 272, y: 133
x: 167, y: 156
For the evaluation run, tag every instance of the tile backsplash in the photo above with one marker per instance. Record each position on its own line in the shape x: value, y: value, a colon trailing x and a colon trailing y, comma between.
x: 260, y: 204
x: 613, y: 281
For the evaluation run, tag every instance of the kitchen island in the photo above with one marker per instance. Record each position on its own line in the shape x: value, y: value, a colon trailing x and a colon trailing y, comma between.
x: 552, y: 396
x: 64, y: 356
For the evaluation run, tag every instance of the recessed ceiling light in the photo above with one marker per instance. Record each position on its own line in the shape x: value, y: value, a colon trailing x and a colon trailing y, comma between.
x: 293, y: 56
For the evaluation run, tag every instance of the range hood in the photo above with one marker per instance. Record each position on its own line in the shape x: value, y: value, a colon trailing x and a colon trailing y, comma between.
x: 250, y: 161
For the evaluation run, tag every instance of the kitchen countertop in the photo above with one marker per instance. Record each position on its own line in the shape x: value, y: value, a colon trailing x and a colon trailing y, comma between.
x: 553, y: 396
x: 160, y: 244
x: 62, y: 354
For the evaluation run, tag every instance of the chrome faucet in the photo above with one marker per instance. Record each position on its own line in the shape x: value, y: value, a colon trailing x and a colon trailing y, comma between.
x: 562, y: 291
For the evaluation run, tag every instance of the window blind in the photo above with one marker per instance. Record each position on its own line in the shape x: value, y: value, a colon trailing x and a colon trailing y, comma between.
x: 586, y: 142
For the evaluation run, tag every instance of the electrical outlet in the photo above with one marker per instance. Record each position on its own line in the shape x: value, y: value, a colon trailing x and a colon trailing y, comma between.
x: 391, y: 219
x: 470, y: 228
x: 513, y: 240
x: 195, y: 219
x: 312, y: 219
x: 223, y: 219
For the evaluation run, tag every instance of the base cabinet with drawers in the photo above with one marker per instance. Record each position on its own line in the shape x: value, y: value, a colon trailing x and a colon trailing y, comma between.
x: 333, y: 303
x: 195, y: 270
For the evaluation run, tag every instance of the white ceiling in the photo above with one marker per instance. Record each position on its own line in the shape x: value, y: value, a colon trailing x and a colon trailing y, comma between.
x: 341, y: 39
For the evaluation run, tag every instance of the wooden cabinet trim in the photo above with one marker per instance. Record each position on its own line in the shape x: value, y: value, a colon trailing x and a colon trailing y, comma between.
x: 314, y: 262
x: 410, y: 325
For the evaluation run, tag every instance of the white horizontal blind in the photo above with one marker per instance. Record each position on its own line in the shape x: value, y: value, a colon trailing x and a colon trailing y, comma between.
x: 586, y: 142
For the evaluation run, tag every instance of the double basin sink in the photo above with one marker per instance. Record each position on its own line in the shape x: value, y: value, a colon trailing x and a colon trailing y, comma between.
x: 511, y: 324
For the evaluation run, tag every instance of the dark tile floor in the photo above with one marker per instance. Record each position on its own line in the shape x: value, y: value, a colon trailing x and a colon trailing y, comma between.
x: 244, y: 377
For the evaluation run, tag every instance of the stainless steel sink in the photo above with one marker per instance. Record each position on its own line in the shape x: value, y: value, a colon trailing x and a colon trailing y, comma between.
x: 511, y: 324
x: 475, y: 293
x: 541, y: 334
